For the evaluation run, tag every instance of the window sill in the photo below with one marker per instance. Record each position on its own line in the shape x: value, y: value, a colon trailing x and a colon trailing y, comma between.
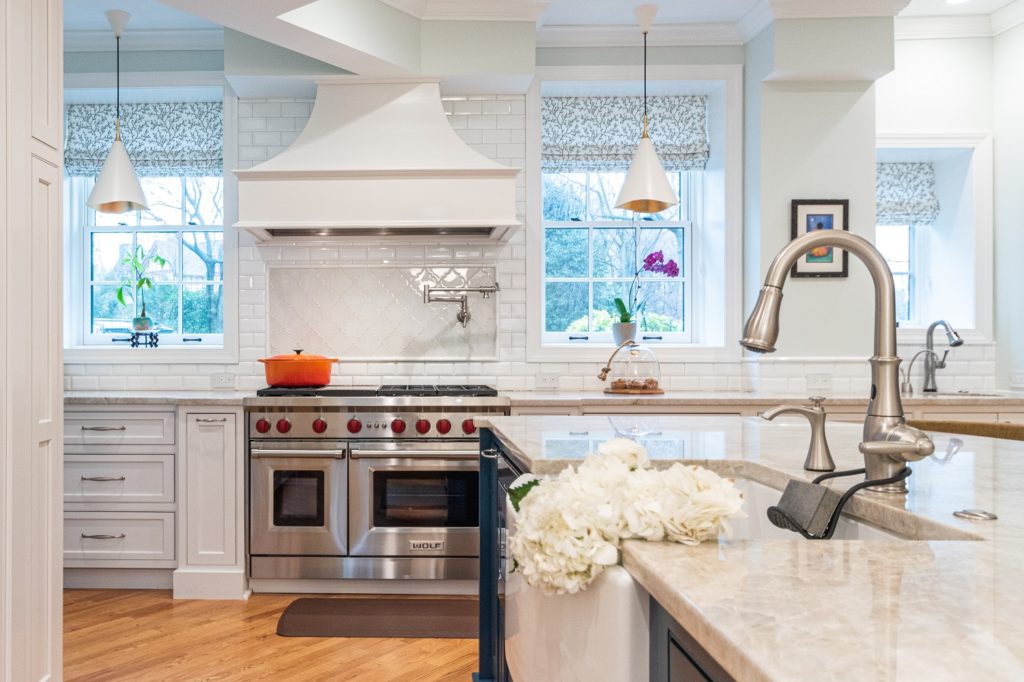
x: 173, y: 355
x: 599, y: 353
x: 915, y: 336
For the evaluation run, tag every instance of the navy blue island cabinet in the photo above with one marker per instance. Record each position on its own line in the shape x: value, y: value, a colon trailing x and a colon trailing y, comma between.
x: 675, y: 655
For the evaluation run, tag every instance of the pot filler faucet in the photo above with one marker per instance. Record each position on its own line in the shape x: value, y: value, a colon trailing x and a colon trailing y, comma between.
x: 888, y: 442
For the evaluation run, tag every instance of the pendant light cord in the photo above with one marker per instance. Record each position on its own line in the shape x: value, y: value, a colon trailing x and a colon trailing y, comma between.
x: 645, y: 82
x: 118, y: 66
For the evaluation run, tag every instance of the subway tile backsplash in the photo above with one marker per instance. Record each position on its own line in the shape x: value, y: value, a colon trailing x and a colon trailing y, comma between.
x: 494, y: 126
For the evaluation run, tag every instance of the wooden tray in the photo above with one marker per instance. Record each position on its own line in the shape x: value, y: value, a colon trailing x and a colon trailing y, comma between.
x: 635, y: 391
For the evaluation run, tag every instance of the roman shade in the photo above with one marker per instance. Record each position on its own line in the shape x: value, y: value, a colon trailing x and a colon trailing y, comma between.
x: 905, y: 193
x: 162, y: 138
x: 600, y: 133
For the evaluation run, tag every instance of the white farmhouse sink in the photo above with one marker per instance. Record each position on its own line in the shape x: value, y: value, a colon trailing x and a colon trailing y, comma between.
x: 603, y: 632
x: 758, y: 497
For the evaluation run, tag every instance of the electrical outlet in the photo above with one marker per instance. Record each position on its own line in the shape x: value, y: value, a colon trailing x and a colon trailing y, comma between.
x: 819, y: 382
x: 547, y: 382
x: 222, y: 381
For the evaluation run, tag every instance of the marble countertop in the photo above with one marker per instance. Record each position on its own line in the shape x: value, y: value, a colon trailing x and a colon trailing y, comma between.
x: 942, y: 606
x: 155, y: 397
x: 569, y: 398
x: 693, y: 398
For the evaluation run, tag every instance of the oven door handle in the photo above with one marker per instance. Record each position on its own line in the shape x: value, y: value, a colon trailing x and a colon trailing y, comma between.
x: 322, y: 454
x: 460, y: 455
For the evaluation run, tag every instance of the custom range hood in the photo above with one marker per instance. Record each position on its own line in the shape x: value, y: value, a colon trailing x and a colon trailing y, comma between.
x: 377, y: 158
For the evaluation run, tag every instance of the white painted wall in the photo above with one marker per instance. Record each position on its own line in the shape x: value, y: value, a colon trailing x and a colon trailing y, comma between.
x: 1009, y: 208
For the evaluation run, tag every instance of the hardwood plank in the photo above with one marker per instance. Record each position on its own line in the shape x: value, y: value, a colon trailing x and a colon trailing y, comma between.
x: 145, y: 635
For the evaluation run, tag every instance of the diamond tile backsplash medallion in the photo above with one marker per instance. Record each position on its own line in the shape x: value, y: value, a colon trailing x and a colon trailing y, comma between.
x: 378, y: 313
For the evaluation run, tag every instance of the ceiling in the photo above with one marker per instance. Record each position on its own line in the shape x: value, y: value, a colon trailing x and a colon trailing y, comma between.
x: 88, y: 15
x: 934, y: 8
x: 620, y: 12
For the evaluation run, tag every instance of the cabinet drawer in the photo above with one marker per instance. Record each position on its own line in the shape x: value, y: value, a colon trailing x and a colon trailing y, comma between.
x: 961, y: 416
x: 118, y: 536
x: 119, y: 478
x: 1012, y: 417
x: 111, y: 428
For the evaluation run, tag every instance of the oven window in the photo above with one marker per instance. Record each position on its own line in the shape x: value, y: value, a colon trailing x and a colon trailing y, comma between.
x: 420, y: 499
x: 298, y: 498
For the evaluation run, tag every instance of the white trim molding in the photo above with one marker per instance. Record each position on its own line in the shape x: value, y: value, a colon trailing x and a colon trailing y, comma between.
x: 690, y: 35
x: 937, y: 28
x: 146, y: 40
x: 470, y: 10
x: 1008, y: 17
x: 982, y: 165
x: 762, y: 14
x: 730, y: 76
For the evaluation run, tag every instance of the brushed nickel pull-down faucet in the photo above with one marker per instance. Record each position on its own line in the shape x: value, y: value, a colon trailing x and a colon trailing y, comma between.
x: 888, y: 443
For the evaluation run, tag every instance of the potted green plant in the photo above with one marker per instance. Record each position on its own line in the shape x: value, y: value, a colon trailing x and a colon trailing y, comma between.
x: 135, y: 282
x: 625, y: 328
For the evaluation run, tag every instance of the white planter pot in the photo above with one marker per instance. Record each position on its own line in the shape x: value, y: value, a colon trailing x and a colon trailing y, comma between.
x: 623, y: 331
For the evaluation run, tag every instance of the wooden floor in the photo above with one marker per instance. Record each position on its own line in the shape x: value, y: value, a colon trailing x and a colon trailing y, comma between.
x: 143, y: 635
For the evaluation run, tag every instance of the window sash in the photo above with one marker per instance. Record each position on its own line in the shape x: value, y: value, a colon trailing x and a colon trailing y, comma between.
x: 605, y: 337
x: 90, y: 337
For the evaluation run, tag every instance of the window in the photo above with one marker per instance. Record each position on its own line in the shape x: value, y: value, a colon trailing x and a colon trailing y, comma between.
x: 592, y: 251
x: 896, y: 243
x: 184, y: 226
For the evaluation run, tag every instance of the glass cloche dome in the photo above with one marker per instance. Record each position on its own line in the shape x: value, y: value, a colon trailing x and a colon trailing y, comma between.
x: 632, y: 368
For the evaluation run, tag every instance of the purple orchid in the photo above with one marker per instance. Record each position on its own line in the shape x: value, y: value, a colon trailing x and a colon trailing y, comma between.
x: 655, y: 263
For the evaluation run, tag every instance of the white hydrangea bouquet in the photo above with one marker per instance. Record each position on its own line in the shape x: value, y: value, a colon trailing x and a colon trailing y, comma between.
x: 568, y: 528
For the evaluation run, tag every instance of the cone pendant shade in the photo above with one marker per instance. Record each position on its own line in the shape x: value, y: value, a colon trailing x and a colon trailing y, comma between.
x: 646, y: 189
x: 117, y: 189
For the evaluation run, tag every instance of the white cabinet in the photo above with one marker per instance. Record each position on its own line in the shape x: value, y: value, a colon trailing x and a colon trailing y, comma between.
x: 119, y: 496
x: 119, y: 478
x: 211, y: 470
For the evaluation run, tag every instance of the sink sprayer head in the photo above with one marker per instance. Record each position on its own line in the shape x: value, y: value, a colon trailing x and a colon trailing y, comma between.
x: 762, y: 329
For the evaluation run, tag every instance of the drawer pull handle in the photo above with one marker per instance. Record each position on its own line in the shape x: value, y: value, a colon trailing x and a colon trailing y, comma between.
x: 211, y: 419
x: 103, y: 478
x: 101, y: 536
x: 104, y: 428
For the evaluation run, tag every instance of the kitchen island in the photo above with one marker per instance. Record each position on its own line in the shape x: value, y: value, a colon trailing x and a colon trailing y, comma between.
x: 942, y: 604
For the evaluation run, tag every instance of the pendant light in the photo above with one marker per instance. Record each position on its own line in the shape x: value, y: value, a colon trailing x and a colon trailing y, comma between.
x: 117, y: 189
x: 646, y: 189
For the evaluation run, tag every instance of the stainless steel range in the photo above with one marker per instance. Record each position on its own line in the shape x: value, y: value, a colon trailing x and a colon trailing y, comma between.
x: 365, y: 483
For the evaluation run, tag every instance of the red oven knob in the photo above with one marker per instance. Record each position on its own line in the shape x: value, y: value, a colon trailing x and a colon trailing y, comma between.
x: 443, y: 426
x: 468, y: 426
x: 319, y: 425
x: 422, y: 426
x: 354, y: 425
x: 398, y: 425
x: 284, y: 426
x: 262, y: 425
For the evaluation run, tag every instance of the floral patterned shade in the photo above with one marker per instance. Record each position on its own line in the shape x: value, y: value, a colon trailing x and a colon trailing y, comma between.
x: 162, y: 138
x: 600, y: 133
x: 906, y: 193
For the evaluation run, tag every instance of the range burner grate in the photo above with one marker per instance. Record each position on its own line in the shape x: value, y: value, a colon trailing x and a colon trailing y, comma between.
x: 390, y: 390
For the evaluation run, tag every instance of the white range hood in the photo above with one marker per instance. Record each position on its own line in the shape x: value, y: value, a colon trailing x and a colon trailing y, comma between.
x: 377, y: 158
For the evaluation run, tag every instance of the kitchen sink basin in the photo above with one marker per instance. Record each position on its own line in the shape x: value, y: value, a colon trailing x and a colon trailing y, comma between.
x: 756, y: 526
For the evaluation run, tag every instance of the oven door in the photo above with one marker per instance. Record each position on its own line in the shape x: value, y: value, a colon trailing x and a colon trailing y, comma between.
x: 410, y: 501
x: 298, y: 499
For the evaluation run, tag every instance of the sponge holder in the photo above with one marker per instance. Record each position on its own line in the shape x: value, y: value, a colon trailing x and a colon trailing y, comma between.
x: 779, y: 517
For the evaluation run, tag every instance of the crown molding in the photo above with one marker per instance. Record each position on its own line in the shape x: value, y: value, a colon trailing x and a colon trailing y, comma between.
x: 764, y: 12
x: 1008, y: 17
x: 931, y: 28
x: 471, y: 10
x: 677, y: 35
x: 145, y: 40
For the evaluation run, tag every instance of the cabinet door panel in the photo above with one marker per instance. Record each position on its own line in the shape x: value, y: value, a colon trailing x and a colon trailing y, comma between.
x: 211, y: 479
x: 45, y: 71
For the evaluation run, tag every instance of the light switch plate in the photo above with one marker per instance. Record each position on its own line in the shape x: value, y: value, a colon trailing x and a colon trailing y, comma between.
x: 819, y: 382
x: 222, y: 381
x: 547, y: 382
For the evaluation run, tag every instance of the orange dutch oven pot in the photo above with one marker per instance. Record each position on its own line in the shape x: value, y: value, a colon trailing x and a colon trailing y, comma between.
x: 298, y: 370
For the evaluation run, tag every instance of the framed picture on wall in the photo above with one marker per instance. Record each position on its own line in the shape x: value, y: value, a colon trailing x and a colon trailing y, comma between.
x: 810, y: 215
